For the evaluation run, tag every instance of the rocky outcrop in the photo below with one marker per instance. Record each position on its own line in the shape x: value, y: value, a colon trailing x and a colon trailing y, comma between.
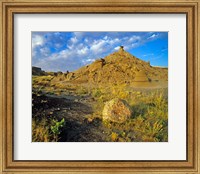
x: 36, y: 71
x: 98, y: 64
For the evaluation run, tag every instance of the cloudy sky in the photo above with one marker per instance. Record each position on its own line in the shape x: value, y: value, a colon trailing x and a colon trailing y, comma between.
x: 62, y: 51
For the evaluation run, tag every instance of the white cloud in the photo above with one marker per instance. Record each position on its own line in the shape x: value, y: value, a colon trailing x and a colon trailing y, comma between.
x: 134, y: 45
x: 134, y: 38
x: 127, y: 47
x: 37, y: 40
x: 70, y: 47
x: 153, y: 36
x: 113, y: 41
x: 57, y: 45
x: 86, y: 40
x: 79, y: 34
x: 164, y: 49
x: 90, y: 60
x: 34, y: 53
x: 116, y: 40
x: 105, y: 38
x: 116, y: 48
x: 150, y: 54
x: 45, y: 51
x: 64, y: 54
x: 83, y: 51
x: 74, y: 40
x: 98, y: 45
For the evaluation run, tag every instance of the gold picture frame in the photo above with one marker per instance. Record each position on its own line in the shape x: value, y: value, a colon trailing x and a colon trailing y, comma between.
x: 10, y: 7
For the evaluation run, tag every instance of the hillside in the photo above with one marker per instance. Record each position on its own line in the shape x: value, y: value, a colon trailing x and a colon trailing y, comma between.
x: 117, y: 68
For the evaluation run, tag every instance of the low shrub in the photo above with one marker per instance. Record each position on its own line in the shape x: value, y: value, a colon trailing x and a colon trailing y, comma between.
x: 46, y: 130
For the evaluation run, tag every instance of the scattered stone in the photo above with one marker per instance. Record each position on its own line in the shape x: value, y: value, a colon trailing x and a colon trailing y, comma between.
x: 90, y: 120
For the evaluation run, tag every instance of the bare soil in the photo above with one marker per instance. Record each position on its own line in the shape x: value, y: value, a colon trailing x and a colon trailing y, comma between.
x: 74, y: 110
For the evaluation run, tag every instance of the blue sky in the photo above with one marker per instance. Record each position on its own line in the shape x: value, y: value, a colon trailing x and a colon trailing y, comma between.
x: 62, y: 51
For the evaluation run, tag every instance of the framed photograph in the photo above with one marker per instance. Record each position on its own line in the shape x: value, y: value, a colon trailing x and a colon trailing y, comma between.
x: 95, y: 86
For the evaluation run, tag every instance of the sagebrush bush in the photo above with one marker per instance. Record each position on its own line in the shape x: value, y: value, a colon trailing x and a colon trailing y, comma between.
x: 46, y: 130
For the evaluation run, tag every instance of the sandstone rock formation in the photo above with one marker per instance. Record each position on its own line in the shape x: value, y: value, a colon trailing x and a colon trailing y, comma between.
x: 37, y: 71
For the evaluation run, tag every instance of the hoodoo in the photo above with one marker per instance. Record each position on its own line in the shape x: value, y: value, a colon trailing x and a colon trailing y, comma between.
x: 121, y: 49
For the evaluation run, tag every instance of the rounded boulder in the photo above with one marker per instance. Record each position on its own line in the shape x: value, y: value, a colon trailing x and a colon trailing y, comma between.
x: 116, y: 110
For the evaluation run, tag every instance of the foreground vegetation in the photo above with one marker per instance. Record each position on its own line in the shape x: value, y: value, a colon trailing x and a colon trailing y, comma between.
x: 54, y: 121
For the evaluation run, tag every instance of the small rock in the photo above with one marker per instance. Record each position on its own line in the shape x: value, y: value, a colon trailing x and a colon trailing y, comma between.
x: 90, y: 120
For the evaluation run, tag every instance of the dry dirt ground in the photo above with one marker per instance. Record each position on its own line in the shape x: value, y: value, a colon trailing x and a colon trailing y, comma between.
x: 74, y: 110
